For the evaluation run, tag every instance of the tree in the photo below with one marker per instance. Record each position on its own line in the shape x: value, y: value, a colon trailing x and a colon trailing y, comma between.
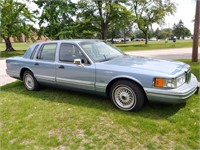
x: 196, y: 33
x: 148, y: 12
x: 186, y: 32
x: 14, y: 21
x: 85, y: 29
x: 85, y: 26
x: 139, y: 34
x: 122, y: 22
x: 102, y: 15
x: 180, y: 31
x: 164, y: 33
x: 56, y: 20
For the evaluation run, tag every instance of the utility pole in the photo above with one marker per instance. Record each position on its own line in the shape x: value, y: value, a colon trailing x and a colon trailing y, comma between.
x: 196, y: 32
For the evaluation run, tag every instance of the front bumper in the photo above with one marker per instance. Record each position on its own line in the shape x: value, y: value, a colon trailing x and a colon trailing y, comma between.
x: 177, y: 95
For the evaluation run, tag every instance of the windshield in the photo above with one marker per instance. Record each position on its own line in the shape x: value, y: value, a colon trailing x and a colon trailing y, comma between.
x: 100, y: 51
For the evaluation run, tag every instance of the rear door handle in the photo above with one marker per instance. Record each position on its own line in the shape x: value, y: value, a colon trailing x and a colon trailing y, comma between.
x: 36, y: 64
x: 61, y: 67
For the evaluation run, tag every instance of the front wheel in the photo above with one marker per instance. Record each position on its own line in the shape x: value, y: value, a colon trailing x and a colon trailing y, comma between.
x: 127, y: 95
x: 30, y: 82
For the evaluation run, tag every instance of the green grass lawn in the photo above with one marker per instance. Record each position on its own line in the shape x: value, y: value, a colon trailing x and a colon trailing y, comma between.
x: 154, y: 45
x: 19, y: 47
x: 16, y: 46
x: 54, y: 118
x: 60, y: 119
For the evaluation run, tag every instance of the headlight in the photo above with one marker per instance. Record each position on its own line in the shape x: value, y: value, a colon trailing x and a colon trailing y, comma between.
x: 169, y: 83
x: 180, y: 80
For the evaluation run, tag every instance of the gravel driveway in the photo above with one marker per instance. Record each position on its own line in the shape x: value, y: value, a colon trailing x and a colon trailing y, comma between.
x: 4, y: 78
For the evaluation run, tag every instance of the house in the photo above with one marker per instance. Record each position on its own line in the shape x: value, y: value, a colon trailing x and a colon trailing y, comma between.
x: 23, y: 39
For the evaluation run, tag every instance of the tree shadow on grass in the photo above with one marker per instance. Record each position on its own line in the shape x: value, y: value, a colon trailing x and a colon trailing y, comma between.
x: 150, y: 110
x: 5, y: 54
x: 136, y: 45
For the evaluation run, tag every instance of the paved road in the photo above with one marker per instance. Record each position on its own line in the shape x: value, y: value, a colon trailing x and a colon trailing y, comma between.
x: 168, y: 54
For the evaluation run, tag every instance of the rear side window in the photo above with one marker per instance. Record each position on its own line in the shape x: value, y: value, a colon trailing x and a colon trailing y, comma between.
x: 30, y: 51
x: 47, y: 52
x: 33, y: 53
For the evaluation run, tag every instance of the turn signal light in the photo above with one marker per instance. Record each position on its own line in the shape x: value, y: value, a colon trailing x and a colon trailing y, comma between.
x: 159, y: 82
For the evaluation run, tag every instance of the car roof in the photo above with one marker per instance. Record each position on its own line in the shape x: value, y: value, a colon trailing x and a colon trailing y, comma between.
x: 75, y: 41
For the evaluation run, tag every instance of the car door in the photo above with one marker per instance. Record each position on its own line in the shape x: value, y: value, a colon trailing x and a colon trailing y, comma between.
x: 44, y: 64
x: 72, y: 75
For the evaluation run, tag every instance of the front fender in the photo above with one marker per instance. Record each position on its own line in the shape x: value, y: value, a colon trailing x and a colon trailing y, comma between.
x: 104, y: 88
x: 126, y: 77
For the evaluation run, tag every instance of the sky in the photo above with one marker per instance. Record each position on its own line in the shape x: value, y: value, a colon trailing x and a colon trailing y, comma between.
x: 185, y: 11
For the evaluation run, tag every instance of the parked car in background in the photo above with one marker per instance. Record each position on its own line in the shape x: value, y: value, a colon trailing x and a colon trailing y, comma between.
x: 172, y: 38
x: 118, y: 40
x: 96, y: 67
x: 153, y: 39
x: 139, y: 39
x: 193, y: 37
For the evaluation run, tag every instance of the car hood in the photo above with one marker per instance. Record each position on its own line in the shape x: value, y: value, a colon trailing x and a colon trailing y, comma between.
x: 145, y: 63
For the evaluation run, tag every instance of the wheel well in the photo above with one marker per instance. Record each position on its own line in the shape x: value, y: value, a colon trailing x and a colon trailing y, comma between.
x: 115, y: 80
x: 22, y: 72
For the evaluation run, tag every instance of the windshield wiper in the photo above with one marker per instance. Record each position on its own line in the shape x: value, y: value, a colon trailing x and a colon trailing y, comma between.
x: 106, y: 59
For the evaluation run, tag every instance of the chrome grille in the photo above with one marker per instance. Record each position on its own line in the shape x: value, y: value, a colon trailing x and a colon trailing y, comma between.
x: 188, y: 75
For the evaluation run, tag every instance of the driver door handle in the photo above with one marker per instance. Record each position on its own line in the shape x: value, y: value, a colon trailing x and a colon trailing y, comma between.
x: 61, y: 67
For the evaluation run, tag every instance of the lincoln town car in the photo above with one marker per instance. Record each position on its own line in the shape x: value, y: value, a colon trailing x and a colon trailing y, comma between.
x: 93, y: 66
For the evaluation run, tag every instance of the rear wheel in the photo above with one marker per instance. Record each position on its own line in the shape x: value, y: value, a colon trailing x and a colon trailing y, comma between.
x: 30, y: 82
x: 127, y: 95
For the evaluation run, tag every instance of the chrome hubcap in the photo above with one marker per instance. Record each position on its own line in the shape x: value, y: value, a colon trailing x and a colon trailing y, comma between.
x: 29, y: 81
x: 124, y: 97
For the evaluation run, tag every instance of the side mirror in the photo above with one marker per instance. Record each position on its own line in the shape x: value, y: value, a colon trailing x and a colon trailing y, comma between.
x: 78, y: 62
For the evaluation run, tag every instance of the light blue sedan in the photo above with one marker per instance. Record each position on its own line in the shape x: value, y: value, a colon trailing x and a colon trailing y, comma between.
x: 96, y: 67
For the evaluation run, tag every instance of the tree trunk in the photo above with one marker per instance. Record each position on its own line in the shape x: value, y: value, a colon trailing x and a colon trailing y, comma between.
x: 112, y: 36
x: 146, y: 37
x: 9, y: 47
x: 196, y: 33
x: 104, y: 29
x: 103, y: 34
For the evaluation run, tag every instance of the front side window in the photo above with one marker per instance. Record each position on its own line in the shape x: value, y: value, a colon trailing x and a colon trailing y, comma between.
x: 69, y: 52
x: 47, y: 52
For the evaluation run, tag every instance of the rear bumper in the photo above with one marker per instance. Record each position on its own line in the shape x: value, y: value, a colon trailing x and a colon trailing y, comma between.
x: 178, y: 95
